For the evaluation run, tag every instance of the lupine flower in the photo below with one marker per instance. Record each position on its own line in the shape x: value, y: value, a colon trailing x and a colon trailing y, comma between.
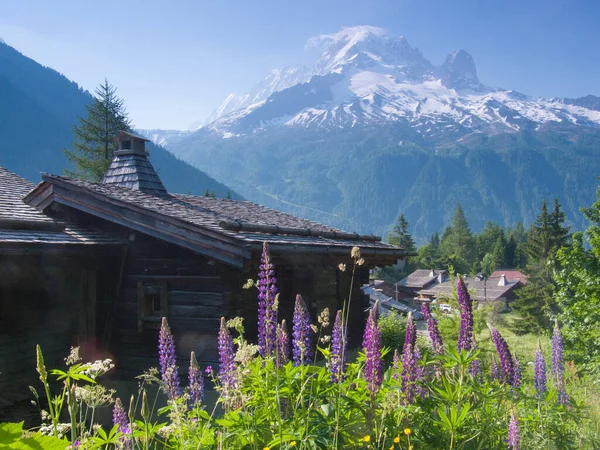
x: 507, y: 367
x: 517, y: 377
x: 196, y: 382
x: 433, y: 330
x: 339, y: 349
x: 539, y: 378
x: 420, y: 372
x: 267, y: 309
x: 396, y: 364
x: 301, y: 349
x: 494, y: 370
x: 465, y: 336
x: 410, y: 337
x: 558, y: 365
x: 167, y: 360
x: 227, y: 376
x: 372, y: 348
x: 120, y: 417
x: 283, y: 345
x: 514, y: 438
x: 409, y: 373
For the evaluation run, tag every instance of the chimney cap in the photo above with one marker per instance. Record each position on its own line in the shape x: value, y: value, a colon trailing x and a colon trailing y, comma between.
x: 123, y: 133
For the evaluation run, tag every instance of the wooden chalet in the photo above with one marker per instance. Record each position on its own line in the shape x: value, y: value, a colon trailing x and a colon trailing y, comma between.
x: 53, y: 276
x: 187, y: 257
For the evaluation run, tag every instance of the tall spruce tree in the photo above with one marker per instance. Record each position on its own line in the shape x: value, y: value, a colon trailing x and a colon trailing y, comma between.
x: 94, y: 136
x: 535, y: 303
x: 400, y: 235
x: 456, y: 246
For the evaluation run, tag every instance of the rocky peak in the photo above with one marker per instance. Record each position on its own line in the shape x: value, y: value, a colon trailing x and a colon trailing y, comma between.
x: 364, y: 47
x: 458, y: 71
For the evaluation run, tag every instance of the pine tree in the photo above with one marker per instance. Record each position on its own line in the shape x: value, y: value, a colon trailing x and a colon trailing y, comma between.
x: 456, y: 246
x: 94, y: 136
x: 535, y: 303
x: 400, y: 235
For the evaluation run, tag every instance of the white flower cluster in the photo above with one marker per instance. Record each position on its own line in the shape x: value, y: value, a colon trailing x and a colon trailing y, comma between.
x: 98, y: 368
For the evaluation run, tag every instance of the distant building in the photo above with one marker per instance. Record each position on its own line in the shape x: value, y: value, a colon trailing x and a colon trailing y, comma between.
x: 496, y: 288
x: 511, y: 275
x: 380, y: 292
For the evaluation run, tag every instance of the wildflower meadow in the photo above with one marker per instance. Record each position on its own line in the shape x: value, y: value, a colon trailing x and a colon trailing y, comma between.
x: 313, y: 389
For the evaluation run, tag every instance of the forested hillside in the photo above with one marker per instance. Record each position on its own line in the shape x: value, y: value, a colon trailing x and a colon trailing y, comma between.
x: 38, y: 108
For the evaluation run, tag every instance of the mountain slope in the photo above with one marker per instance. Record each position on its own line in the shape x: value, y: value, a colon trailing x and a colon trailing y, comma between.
x: 38, y: 107
x: 377, y: 129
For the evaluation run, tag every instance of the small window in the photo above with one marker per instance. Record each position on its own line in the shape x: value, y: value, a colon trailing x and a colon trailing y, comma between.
x: 126, y: 145
x: 152, y: 305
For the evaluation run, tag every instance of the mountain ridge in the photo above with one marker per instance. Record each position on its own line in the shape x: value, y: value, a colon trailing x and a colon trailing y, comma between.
x: 376, y: 112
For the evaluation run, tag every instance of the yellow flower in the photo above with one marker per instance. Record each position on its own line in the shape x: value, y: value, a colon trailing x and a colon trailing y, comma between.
x: 392, y: 447
x: 367, y: 438
x: 396, y: 439
x: 407, y: 431
x: 266, y: 448
x: 293, y: 444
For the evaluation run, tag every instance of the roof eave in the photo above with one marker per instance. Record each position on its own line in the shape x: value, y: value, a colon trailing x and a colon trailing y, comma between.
x: 169, y: 229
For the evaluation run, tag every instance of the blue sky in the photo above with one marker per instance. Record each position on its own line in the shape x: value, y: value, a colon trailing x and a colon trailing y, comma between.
x: 174, y: 62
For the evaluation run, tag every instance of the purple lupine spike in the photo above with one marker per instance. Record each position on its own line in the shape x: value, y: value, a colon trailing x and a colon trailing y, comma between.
x: 167, y: 360
x: 372, y: 348
x: 507, y: 368
x: 301, y: 348
x: 420, y: 373
x: 396, y: 364
x: 283, y: 345
x: 494, y: 370
x: 267, y: 310
x: 539, y: 379
x: 339, y: 349
x: 410, y: 338
x: 409, y: 373
x: 558, y: 365
x: 120, y: 417
x: 517, y: 377
x: 195, y: 382
x: 433, y: 330
x: 514, y: 438
x: 227, y: 377
x: 465, y: 336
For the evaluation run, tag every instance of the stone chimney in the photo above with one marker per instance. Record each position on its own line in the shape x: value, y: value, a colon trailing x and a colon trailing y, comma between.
x: 502, y: 281
x: 131, y: 168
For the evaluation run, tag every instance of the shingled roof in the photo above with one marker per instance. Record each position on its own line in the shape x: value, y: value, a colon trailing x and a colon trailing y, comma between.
x: 490, y: 289
x: 23, y: 224
x: 421, y: 278
x: 228, y: 230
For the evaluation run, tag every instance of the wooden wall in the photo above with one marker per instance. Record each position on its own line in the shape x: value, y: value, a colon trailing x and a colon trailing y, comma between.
x: 197, y: 290
x: 46, y: 300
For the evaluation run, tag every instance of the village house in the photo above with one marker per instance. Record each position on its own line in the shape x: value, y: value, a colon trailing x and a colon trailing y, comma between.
x: 417, y: 281
x: 483, y: 290
x: 98, y: 265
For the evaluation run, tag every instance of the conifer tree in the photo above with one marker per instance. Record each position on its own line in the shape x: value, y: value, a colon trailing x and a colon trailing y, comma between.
x: 457, y: 246
x: 535, y: 303
x: 400, y: 235
x: 94, y: 136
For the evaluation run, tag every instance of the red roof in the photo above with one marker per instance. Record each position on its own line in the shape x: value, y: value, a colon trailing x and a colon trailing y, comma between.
x: 511, y: 275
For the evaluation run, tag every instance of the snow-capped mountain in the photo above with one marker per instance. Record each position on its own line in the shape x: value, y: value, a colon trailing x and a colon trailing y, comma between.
x: 372, y: 128
x: 363, y: 75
